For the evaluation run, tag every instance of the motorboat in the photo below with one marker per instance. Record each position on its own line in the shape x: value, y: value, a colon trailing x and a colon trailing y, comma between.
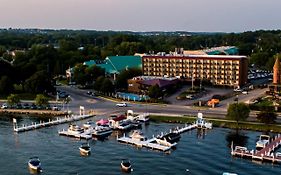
x: 226, y: 173
x: 143, y: 117
x: 262, y: 142
x: 201, y: 122
x: 164, y: 142
x: 88, y: 124
x: 85, y: 148
x: 102, y: 122
x: 35, y: 164
x: 138, y: 136
x: 125, y: 125
x: 126, y: 165
x: 171, y: 137
x: 74, y: 129
x: 101, y: 131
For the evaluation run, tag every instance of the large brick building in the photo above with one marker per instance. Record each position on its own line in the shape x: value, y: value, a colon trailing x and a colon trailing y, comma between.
x: 223, y: 70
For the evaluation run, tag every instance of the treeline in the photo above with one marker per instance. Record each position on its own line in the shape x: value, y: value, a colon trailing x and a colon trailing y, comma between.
x: 45, y: 54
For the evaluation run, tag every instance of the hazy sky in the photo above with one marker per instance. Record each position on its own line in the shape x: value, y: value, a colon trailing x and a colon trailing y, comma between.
x: 142, y: 15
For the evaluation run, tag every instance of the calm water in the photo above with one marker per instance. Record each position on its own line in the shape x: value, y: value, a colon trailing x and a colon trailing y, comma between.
x: 201, y: 154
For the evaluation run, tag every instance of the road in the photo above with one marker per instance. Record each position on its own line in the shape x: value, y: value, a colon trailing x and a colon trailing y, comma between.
x: 106, y: 107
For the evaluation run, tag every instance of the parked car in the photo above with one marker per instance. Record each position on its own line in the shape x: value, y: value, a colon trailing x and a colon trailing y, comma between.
x: 18, y: 106
x: 25, y: 106
x: 33, y: 106
x: 190, y: 97
x: 245, y: 92
x: 4, y: 106
x: 122, y: 104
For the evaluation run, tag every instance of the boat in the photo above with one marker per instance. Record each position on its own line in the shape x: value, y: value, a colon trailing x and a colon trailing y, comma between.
x: 201, y: 122
x: 35, y: 164
x: 143, y: 117
x: 102, y: 122
x: 88, y: 124
x: 226, y: 173
x: 262, y: 142
x: 126, y: 165
x: 85, y: 148
x: 124, y: 125
x: 74, y: 129
x: 101, y: 131
x: 171, y: 137
x: 138, y: 136
x: 164, y: 142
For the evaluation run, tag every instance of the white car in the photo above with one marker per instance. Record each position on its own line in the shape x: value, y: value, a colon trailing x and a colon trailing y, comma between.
x: 4, y: 106
x: 245, y: 92
x: 122, y: 104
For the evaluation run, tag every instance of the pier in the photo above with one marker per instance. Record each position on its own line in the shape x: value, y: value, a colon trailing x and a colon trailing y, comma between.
x: 87, y: 134
x: 265, y: 154
x: 42, y: 124
x: 148, y: 143
x: 151, y: 143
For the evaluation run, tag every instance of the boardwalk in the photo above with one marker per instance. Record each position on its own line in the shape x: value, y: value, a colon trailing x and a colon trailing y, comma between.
x: 266, y: 154
x: 56, y: 121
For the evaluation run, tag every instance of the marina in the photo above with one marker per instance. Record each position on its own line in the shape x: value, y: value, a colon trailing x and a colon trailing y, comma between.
x: 265, y: 154
x: 60, y: 155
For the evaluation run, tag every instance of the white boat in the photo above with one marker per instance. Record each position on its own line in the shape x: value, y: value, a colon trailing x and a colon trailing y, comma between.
x: 164, y: 142
x: 74, y: 129
x: 35, y: 164
x: 201, y: 122
x: 101, y: 131
x: 138, y: 135
x: 88, y: 124
x: 263, y: 141
x: 85, y: 148
x: 226, y: 173
x: 143, y: 117
x: 126, y: 166
x: 124, y: 125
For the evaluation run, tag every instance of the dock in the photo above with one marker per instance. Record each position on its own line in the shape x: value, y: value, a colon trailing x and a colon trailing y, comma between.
x: 43, y: 124
x: 87, y: 134
x: 265, y: 154
x: 148, y: 143
x: 151, y: 143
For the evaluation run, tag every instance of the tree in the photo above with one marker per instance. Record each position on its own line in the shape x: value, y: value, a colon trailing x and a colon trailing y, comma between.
x: 13, y: 99
x: 6, y: 85
x: 39, y: 82
x: 238, y: 112
x: 41, y: 100
x: 98, y: 83
x: 107, y: 86
x: 155, y: 91
x: 122, y: 78
x: 267, y: 117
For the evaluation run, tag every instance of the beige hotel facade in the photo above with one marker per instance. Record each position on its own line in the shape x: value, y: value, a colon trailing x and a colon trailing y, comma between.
x: 225, y: 70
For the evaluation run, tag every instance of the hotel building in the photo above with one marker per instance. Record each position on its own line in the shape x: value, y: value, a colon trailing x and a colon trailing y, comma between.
x: 225, y: 70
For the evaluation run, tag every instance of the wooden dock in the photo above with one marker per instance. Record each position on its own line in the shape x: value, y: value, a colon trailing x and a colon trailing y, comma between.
x: 42, y: 124
x: 265, y: 154
x: 185, y: 128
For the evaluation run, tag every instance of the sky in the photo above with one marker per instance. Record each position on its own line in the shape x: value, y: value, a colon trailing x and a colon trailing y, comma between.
x: 143, y: 15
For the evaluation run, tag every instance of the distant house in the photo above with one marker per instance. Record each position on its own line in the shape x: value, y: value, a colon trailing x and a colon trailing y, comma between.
x: 141, y: 84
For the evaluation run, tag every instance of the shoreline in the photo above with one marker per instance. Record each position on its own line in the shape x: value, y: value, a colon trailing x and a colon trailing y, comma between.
x: 32, y: 112
x: 223, y: 123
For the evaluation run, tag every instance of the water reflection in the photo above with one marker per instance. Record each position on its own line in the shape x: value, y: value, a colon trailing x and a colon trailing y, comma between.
x: 201, y: 133
x: 237, y: 138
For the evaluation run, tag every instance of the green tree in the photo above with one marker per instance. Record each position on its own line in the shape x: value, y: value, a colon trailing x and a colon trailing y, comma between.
x: 6, y: 85
x: 267, y: 117
x: 238, y: 112
x: 41, y: 100
x: 98, y: 83
x: 122, y: 78
x: 107, y: 86
x: 13, y: 99
x: 155, y: 91
x: 39, y: 82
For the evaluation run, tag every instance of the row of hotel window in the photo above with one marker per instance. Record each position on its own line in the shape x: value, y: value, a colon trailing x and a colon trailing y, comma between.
x: 230, y: 62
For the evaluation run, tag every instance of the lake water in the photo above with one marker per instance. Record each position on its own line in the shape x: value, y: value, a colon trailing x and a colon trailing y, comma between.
x: 198, y: 153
